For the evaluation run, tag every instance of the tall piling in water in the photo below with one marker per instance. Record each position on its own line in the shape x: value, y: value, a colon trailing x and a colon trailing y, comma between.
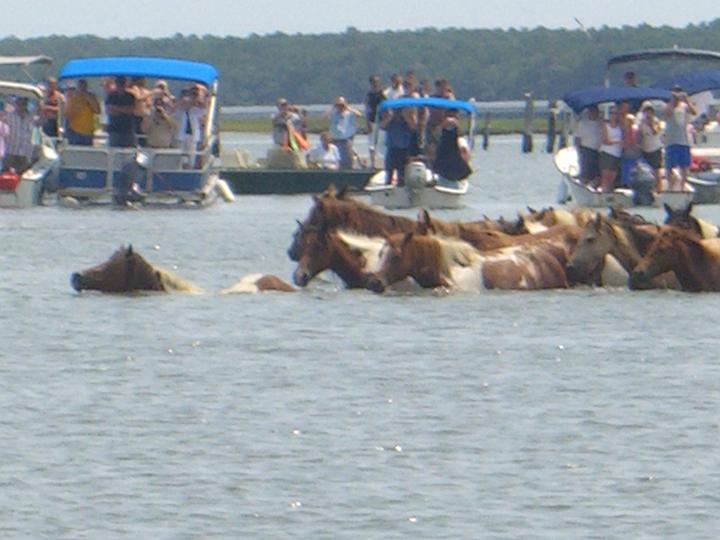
x: 527, y: 138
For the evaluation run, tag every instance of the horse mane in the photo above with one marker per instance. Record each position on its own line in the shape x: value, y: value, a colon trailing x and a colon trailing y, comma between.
x: 453, y: 251
x: 173, y: 283
x: 369, y: 247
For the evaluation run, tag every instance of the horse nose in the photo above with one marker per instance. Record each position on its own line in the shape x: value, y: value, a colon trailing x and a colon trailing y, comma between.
x: 571, y: 273
x: 375, y: 284
x: 637, y: 279
x: 76, y: 281
x: 300, y: 278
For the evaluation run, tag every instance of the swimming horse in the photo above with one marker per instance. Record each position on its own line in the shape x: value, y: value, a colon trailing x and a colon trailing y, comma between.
x: 684, y: 219
x: 608, y: 250
x: 436, y: 261
x: 126, y: 271
x: 695, y: 261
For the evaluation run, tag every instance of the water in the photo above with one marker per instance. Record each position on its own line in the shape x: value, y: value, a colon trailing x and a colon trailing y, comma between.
x: 343, y: 414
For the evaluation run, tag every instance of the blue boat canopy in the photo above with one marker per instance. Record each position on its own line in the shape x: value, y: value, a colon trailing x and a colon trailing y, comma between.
x: 578, y: 100
x: 692, y: 83
x: 140, y: 66
x: 439, y: 103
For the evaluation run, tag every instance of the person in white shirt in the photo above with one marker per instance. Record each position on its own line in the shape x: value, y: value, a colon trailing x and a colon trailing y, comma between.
x: 651, y: 143
x: 588, y: 138
x: 395, y: 90
x: 325, y: 155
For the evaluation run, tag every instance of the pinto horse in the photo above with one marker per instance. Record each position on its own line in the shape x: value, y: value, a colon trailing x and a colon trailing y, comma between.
x: 436, y: 261
x: 607, y: 252
x: 695, y: 261
x: 126, y: 271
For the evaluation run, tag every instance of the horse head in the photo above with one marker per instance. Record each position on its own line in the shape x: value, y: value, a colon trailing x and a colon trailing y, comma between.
x: 683, y: 219
x: 312, y: 253
x: 595, y: 242
x: 661, y: 256
x: 125, y: 271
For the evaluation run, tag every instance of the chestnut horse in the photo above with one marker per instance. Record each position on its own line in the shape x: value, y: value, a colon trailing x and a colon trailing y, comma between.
x: 127, y: 271
x: 436, y: 261
x: 695, y: 261
x: 320, y: 249
x: 607, y: 252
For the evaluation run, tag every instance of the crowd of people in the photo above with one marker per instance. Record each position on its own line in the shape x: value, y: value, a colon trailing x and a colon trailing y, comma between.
x: 421, y: 133
x: 131, y: 113
x: 609, y: 149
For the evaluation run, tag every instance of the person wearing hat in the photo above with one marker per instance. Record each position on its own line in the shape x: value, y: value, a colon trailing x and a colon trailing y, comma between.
x: 677, y: 114
x: 342, y: 130
x: 281, y: 119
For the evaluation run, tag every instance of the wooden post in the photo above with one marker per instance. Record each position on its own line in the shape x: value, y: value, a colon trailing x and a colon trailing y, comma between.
x: 486, y: 131
x: 552, y: 128
x: 527, y: 139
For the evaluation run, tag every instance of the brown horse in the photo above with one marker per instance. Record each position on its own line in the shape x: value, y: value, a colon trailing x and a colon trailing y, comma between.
x: 607, y: 252
x: 684, y: 219
x: 695, y: 261
x: 127, y: 271
x: 320, y: 249
x: 436, y: 261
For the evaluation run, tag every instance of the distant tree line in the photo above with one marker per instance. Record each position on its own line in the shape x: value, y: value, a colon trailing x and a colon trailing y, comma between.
x: 484, y: 64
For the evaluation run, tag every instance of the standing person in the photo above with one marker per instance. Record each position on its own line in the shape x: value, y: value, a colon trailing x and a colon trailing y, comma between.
x: 160, y: 127
x: 588, y: 138
x: 631, y: 145
x: 610, y: 151
x: 677, y: 114
x: 120, y: 108
x: 282, y: 120
x: 190, y: 118
x: 453, y: 154
x: 20, y: 147
x: 395, y: 90
x: 399, y: 125
x: 80, y: 111
x: 4, y: 134
x: 435, y: 118
x: 50, y: 107
x: 342, y: 130
x: 629, y: 79
x: 373, y: 98
x: 650, y: 134
x: 143, y: 100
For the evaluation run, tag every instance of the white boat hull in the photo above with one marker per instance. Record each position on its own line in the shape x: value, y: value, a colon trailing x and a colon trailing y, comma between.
x: 579, y: 194
x: 422, y: 189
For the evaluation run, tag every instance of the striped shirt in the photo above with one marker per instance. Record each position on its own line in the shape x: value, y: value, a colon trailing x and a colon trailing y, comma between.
x: 19, y: 142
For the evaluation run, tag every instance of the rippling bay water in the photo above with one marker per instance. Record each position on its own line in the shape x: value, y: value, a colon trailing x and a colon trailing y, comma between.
x: 343, y: 414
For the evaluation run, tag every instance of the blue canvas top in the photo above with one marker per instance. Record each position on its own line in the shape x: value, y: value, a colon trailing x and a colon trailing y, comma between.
x: 577, y: 100
x: 692, y: 83
x: 439, y: 103
x: 140, y: 66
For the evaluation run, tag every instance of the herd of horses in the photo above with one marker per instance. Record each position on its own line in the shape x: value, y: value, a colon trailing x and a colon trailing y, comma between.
x: 548, y: 249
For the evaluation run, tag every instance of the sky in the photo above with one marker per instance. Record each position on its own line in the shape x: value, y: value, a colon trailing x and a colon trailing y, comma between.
x: 163, y: 18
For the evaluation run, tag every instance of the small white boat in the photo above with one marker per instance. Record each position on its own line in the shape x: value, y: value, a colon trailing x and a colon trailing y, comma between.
x: 574, y: 191
x: 422, y: 189
x: 26, y: 191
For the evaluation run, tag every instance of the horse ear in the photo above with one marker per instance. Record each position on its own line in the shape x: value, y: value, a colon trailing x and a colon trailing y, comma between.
x: 158, y: 276
x: 129, y: 251
x: 531, y: 210
x: 598, y: 221
x: 689, y: 208
x: 668, y: 209
x: 344, y: 192
x: 331, y: 191
x: 407, y: 238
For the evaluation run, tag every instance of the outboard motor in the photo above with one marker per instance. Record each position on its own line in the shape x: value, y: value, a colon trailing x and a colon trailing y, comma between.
x: 127, y: 189
x: 416, y: 174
